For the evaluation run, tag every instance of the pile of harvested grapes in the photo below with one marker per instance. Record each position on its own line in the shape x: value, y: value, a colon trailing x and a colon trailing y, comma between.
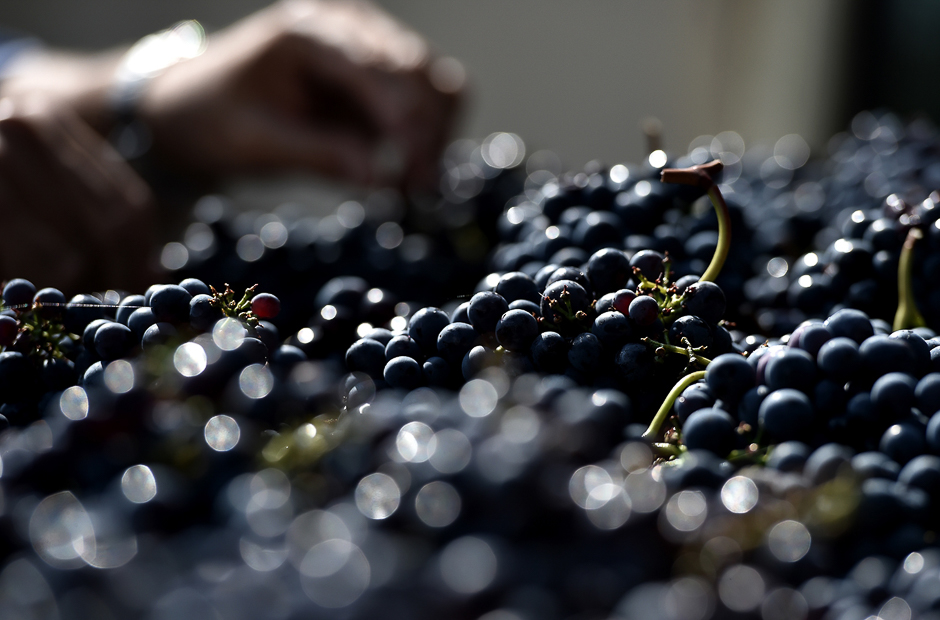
x: 702, y: 387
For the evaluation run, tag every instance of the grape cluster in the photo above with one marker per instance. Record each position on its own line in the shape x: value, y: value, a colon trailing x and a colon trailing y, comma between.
x: 520, y: 400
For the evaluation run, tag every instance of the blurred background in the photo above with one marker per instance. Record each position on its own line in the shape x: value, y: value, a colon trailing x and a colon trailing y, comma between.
x: 580, y: 78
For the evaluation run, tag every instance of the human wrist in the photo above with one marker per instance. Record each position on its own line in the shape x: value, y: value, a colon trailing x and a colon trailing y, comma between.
x: 139, y: 66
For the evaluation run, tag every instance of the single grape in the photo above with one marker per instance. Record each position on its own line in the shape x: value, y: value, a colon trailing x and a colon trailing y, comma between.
x: 113, y: 340
x: 195, y: 286
x: 425, y: 326
x: 265, y: 306
x: 710, y: 429
x: 705, y: 300
x: 729, y: 377
x: 585, y: 352
x: 516, y: 330
x: 455, y: 341
x: 368, y: 356
x: 403, y: 346
x: 404, y: 373
x: 786, y: 414
x: 18, y: 292
x: 170, y: 304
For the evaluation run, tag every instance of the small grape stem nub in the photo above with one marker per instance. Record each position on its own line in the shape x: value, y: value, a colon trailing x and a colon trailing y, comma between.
x: 666, y: 407
x: 907, y: 314
x: 704, y: 176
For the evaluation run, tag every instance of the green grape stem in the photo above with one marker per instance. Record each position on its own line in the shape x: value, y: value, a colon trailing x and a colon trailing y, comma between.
x: 704, y: 176
x: 688, y: 351
x: 907, y: 315
x: 666, y: 407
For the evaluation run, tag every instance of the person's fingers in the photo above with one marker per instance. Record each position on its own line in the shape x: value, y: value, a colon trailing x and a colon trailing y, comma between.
x: 361, y: 30
x: 62, y: 171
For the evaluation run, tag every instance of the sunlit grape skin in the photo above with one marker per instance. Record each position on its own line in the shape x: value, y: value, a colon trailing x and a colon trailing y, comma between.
x: 265, y: 306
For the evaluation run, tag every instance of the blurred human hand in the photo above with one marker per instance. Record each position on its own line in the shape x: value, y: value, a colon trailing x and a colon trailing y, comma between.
x: 333, y: 87
x: 76, y: 216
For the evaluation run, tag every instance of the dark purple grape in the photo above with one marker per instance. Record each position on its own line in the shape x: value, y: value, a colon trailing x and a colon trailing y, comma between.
x: 127, y: 307
x: 524, y: 304
x: 403, y: 373
x: 425, y: 325
x: 8, y: 330
x: 789, y: 456
x: 827, y: 462
x: 88, y: 335
x: 839, y: 358
x: 919, y: 349
x: 550, y: 352
x: 569, y: 273
x: 460, y: 313
x: 485, y: 311
x: 380, y: 334
x: 608, y: 270
x: 585, y: 352
x: 80, y: 311
x: 613, y: 330
x: 170, y: 304
x: 158, y: 334
x: 54, y: 300
x: 849, y: 323
x: 605, y: 303
x: 927, y: 394
x: 403, y: 346
x: 455, y: 341
x: 368, y: 356
x: 875, y: 464
x: 644, y: 311
x: 139, y: 320
x: 113, y: 340
x: 541, y: 278
x: 683, y: 283
x: 195, y: 286
x: 710, y: 429
x: 696, y: 396
x: 558, y: 293
x: 793, y: 368
x: 882, y: 354
x: 517, y: 285
x: 811, y: 338
x: 705, y: 300
x: 785, y: 415
x: 516, y: 330
x: 478, y: 358
x: 202, y: 313
x: 694, y: 329
x: 650, y: 264
x: 749, y: 405
x: 729, y: 377
x: 18, y: 292
x: 923, y: 472
x: 635, y: 363
x: 903, y: 441
x: 285, y: 356
x: 893, y: 394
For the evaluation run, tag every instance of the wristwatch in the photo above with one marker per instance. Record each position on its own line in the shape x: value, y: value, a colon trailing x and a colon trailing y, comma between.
x: 145, y: 60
